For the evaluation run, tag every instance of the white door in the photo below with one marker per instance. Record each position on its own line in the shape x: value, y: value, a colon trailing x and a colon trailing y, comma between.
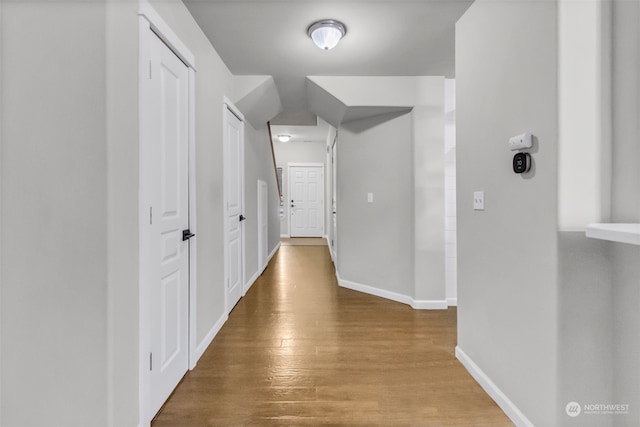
x: 166, y: 184
x: 334, y: 200
x: 234, y: 194
x: 263, y: 224
x: 306, y: 190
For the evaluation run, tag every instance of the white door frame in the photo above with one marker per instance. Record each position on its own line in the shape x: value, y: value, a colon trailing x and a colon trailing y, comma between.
x: 150, y: 21
x: 263, y: 253
x: 311, y: 165
x: 228, y: 105
x: 333, y: 238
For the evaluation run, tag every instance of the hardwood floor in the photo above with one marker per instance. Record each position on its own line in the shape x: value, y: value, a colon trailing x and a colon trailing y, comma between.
x: 303, y: 241
x: 299, y: 350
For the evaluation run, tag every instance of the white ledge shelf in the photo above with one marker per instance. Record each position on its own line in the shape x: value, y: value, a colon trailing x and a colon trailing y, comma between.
x: 622, y: 233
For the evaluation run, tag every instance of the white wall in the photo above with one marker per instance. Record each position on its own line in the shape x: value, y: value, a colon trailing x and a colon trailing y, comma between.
x: 295, y: 152
x: 605, y: 337
x: 401, y: 153
x: 54, y: 219
x: 507, y: 254
x: 584, y: 99
x: 429, y: 203
x: 258, y: 164
x: 626, y: 330
x: 122, y: 170
x: 626, y: 107
x: 450, y: 223
x: 568, y: 326
x: 626, y: 207
x: 375, y: 243
x: 586, y: 338
x: 1, y: 222
x: 69, y: 220
x: 358, y: 104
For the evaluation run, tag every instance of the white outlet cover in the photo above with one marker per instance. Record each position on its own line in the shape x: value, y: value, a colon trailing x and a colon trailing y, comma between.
x: 478, y: 200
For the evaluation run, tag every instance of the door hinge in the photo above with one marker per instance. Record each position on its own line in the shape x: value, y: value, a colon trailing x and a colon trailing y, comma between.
x: 150, y: 215
x: 151, y: 361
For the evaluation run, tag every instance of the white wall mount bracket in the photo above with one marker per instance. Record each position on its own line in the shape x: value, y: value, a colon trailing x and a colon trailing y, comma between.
x: 520, y: 142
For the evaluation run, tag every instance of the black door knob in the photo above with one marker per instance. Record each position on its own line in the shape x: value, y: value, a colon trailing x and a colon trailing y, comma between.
x: 187, y: 234
x: 242, y: 217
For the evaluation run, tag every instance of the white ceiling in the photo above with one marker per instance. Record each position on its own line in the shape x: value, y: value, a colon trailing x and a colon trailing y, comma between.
x: 384, y: 38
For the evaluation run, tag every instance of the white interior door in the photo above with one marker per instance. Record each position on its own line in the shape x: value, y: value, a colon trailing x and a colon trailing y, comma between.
x: 334, y: 200
x: 234, y: 194
x: 166, y: 184
x: 263, y: 224
x: 306, y: 193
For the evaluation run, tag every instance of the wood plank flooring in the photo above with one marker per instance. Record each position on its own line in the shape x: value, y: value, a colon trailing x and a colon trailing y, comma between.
x: 299, y: 350
x: 303, y: 241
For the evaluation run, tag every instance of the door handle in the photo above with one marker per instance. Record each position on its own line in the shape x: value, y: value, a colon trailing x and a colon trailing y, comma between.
x: 242, y: 217
x: 187, y: 234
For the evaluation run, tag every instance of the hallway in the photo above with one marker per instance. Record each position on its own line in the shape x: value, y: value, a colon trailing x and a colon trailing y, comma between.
x: 299, y: 350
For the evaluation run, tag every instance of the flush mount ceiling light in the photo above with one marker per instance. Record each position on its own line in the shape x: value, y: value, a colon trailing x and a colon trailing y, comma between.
x: 284, y: 138
x: 327, y: 33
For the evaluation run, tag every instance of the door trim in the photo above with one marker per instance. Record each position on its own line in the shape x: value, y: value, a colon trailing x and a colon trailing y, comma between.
x: 166, y: 34
x: 333, y: 219
x: 307, y: 165
x: 227, y: 105
x: 263, y: 198
x: 151, y: 22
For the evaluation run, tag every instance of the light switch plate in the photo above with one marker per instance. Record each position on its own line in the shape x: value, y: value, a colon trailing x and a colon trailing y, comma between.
x: 478, y: 201
x: 370, y: 197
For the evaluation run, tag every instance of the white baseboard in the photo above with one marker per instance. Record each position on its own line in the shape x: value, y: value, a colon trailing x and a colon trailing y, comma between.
x: 393, y: 296
x: 273, y: 252
x: 429, y: 304
x: 452, y: 302
x: 250, y: 282
x: 285, y: 236
x: 333, y: 256
x: 202, y: 347
x: 264, y: 267
x: 374, y: 291
x: 509, y: 408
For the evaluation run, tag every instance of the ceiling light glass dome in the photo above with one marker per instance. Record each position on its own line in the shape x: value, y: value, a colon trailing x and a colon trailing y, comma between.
x: 327, y: 33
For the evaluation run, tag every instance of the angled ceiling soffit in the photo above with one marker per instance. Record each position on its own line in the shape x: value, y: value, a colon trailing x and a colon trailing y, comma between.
x: 342, y: 99
x: 258, y: 98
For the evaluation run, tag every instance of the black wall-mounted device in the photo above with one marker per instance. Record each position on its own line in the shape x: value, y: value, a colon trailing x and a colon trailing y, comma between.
x: 521, y: 162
